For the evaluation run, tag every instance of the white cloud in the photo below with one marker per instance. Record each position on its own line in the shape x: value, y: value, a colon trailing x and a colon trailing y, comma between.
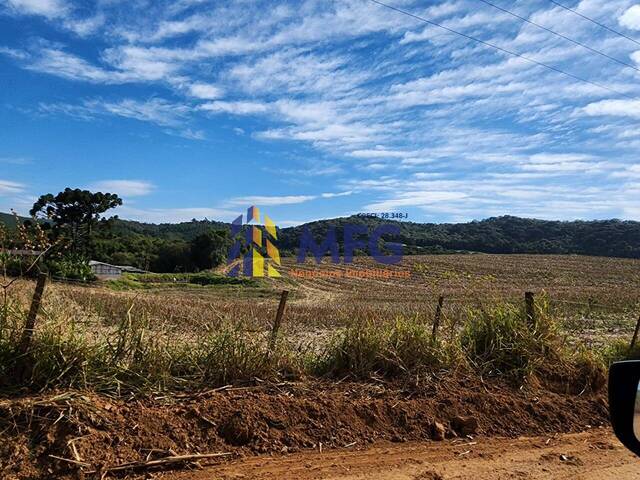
x: 8, y: 187
x: 14, y: 53
x: 412, y: 199
x: 631, y: 18
x: 174, y: 215
x: 618, y: 108
x: 298, y: 71
x: 124, y: 188
x: 283, y: 200
x: 334, y: 195
x: 236, y: 108
x: 205, y: 91
x: 270, y: 200
x: 46, y: 8
x: 135, y: 63
x: 190, y: 134
x: 156, y: 110
x: 15, y: 160
x: 380, y: 153
x: 61, y: 12
x: 630, y: 172
x: 124, y: 64
x: 66, y: 65
x: 464, y: 22
x: 84, y: 26
x: 396, y: 117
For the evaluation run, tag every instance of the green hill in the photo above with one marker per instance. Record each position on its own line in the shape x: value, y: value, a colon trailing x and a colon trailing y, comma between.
x: 507, y: 234
x: 9, y: 219
x: 167, y: 246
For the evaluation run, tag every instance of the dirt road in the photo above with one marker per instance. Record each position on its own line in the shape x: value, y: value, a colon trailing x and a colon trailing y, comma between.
x: 594, y: 455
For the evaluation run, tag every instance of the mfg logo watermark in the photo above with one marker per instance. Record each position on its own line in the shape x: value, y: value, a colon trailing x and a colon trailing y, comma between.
x: 354, y: 239
x: 254, y: 252
x: 261, y: 256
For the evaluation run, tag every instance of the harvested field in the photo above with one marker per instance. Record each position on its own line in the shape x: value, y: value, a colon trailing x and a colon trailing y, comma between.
x: 596, y: 297
x: 123, y: 374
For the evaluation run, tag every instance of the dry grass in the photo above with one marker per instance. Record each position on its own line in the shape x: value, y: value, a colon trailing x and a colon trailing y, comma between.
x: 160, y: 338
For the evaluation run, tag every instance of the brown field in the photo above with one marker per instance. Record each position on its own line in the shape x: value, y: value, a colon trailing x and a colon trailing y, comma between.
x: 597, y: 298
x: 129, y: 372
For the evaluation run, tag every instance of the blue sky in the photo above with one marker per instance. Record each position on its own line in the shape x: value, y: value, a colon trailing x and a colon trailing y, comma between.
x: 319, y: 108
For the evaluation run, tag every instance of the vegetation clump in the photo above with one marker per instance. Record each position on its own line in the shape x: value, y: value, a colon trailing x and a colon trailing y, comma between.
x: 369, y: 347
x: 108, y: 348
x: 502, y: 339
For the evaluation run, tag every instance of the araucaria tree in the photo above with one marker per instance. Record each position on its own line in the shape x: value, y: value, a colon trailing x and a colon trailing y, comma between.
x: 74, y: 214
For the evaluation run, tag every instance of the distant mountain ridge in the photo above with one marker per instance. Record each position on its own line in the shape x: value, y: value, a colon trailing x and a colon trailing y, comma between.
x: 126, y: 240
x: 505, y: 234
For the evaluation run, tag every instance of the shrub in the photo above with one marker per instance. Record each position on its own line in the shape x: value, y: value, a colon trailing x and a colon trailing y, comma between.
x: 203, y: 278
x: 398, y: 347
x: 501, y: 341
x: 619, y: 350
x: 71, y: 267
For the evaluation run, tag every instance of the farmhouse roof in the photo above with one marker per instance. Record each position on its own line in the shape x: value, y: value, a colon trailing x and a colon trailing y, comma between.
x: 124, y: 268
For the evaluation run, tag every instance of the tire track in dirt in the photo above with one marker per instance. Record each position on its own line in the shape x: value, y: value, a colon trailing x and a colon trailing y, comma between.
x: 592, y: 455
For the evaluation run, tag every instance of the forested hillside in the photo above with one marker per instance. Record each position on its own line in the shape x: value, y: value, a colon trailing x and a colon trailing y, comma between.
x: 180, y: 247
x: 505, y: 234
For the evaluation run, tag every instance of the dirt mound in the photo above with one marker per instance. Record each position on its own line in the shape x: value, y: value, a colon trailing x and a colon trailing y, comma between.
x: 92, y: 433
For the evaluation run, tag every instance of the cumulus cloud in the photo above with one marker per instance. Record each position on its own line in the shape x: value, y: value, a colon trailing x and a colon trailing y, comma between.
x: 631, y: 18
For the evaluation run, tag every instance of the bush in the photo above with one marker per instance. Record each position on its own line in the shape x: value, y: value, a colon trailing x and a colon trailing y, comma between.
x: 16, y: 265
x: 71, y: 267
x: 501, y: 341
x: 203, y: 278
x: 398, y: 347
x: 619, y: 350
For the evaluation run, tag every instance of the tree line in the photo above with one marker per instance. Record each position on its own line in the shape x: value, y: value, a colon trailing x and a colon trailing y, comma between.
x: 75, y: 225
x: 73, y: 229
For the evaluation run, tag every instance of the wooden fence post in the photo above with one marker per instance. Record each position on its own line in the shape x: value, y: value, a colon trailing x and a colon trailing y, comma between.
x: 530, y: 308
x: 436, y: 320
x: 278, y: 320
x: 30, y: 326
x: 635, y: 335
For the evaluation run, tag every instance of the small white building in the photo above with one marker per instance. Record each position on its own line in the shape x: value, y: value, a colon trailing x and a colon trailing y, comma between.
x: 106, y: 271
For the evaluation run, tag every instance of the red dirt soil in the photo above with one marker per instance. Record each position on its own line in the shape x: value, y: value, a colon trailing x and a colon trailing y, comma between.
x: 93, y: 433
x: 592, y: 455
